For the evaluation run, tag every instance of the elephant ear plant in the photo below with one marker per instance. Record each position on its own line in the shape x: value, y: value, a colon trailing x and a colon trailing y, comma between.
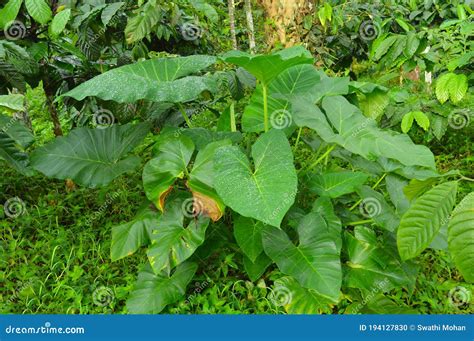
x: 352, y: 216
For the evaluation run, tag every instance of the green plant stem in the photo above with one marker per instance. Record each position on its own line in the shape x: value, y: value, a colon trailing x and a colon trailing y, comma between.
x: 265, y: 107
x: 298, y: 137
x: 360, y: 222
x: 233, y: 127
x: 322, y: 157
x: 185, y: 116
x: 373, y: 187
x: 466, y: 178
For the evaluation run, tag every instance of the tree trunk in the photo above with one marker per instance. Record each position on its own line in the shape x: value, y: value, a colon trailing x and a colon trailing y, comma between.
x: 54, y: 117
x: 248, y: 14
x: 286, y: 17
x: 231, y: 6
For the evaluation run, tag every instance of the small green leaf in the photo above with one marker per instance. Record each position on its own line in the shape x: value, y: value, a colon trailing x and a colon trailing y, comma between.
x: 422, y: 120
x: 39, y: 10
x: 248, y: 234
x: 59, y: 22
x: 457, y: 87
x: 442, y: 87
x: 336, y: 184
x: 421, y: 223
x: 9, y: 12
x: 407, y: 122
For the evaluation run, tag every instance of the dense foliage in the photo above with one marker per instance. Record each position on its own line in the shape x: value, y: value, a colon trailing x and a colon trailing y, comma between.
x: 319, y: 176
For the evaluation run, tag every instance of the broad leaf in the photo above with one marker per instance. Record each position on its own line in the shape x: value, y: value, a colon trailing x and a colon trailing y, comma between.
x: 373, y: 104
x: 129, y: 237
x: 299, y: 300
x: 374, y: 206
x: 324, y: 207
x: 9, y: 12
x: 371, y: 264
x: 256, y: 269
x: 314, y: 263
x: 16, y: 130
x: 265, y: 191
x: 358, y: 134
x: 158, y: 80
x: 336, y: 184
x: 171, y: 242
x: 152, y: 293
x: 457, y: 87
x: 59, y: 22
x: 39, y: 10
x: 461, y: 237
x: 442, y: 86
x: 12, y: 155
x: 248, y: 234
x: 174, y: 154
x: 422, y: 221
x: 14, y: 102
x: 267, y: 67
x: 91, y: 157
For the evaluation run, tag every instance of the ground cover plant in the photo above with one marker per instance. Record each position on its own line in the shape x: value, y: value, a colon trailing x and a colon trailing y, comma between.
x: 147, y: 168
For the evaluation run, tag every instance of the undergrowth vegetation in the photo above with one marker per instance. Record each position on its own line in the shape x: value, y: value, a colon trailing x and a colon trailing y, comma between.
x: 149, y: 168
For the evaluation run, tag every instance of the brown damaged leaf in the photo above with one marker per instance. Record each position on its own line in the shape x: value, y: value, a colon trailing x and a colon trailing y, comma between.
x: 161, y: 200
x: 205, y: 205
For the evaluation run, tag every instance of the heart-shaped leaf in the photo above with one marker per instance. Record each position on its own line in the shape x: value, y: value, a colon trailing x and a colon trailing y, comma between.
x: 265, y: 191
x: 91, y: 157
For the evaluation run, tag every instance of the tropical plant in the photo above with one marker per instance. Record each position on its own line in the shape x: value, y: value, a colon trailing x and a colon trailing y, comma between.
x: 198, y: 178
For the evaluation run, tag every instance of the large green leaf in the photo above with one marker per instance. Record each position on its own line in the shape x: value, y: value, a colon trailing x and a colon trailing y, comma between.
x: 248, y: 234
x: 158, y: 80
x: 358, y: 134
x: 12, y: 155
x: 16, y: 130
x: 256, y: 269
x: 267, y: 67
x: 39, y: 10
x: 461, y: 237
x: 174, y: 154
x: 298, y: 300
x: 152, y: 293
x: 315, y: 262
x: 421, y: 223
x: 371, y: 264
x: 91, y: 157
x: 265, y: 191
x: 14, y: 102
x: 9, y: 12
x: 336, y: 184
x: 296, y: 80
x: 171, y: 242
x: 128, y: 237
